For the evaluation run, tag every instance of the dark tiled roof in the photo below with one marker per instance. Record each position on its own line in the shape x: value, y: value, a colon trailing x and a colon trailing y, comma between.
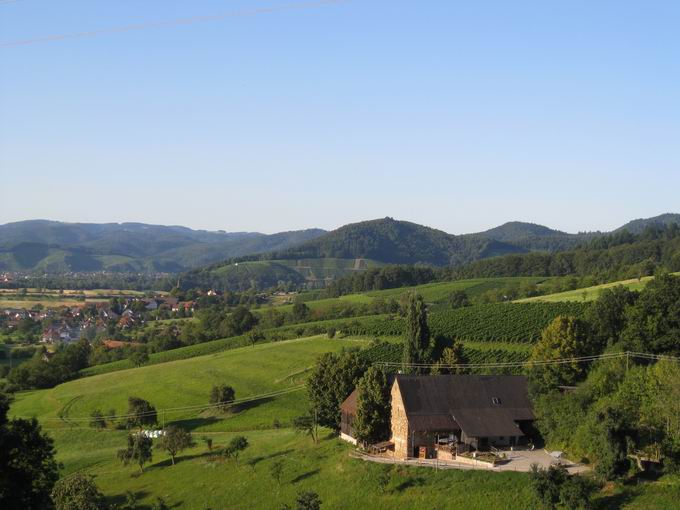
x: 350, y: 404
x: 487, y: 422
x: 481, y: 405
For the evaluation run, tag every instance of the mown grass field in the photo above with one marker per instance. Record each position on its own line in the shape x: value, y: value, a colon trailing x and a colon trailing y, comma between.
x: 588, y: 293
x: 250, y: 370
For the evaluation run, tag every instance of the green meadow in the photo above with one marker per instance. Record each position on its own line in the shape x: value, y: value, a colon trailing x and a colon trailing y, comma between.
x: 588, y: 293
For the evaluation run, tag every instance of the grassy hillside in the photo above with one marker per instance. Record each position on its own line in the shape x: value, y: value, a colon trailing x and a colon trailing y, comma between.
x: 198, y: 481
x: 589, y: 293
x: 250, y: 370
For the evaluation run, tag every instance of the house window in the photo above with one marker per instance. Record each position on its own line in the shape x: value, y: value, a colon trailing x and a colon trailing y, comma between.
x: 496, y: 401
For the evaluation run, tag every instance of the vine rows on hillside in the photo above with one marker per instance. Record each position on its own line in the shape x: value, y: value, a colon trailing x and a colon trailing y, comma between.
x: 501, y: 322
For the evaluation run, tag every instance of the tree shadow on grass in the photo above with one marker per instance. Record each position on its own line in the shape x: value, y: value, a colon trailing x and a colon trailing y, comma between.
x: 194, y: 423
x: 306, y: 475
x: 120, y: 499
x: 615, y: 500
x: 256, y: 460
x: 167, y: 463
x: 415, y: 481
x: 245, y: 406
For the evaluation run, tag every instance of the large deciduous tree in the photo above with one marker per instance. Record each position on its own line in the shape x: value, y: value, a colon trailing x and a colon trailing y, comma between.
x: 28, y: 470
x: 653, y: 324
x: 140, y: 413
x: 174, y: 440
x: 332, y: 379
x: 222, y: 395
x: 138, y: 451
x: 564, y: 337
x: 373, y: 407
x: 77, y: 492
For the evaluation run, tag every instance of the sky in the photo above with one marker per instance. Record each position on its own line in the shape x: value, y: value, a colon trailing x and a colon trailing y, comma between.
x: 272, y: 115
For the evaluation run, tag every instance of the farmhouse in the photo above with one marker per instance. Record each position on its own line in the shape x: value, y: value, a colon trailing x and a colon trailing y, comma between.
x: 465, y: 412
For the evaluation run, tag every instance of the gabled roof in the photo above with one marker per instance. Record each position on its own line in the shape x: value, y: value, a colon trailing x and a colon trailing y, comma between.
x: 350, y: 403
x: 480, y: 405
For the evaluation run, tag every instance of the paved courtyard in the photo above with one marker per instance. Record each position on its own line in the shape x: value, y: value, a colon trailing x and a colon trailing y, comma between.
x: 519, y: 460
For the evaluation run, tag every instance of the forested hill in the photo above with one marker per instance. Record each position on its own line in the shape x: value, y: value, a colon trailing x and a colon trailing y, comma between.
x: 57, y: 247
x: 639, y: 225
x: 615, y: 256
x: 399, y: 242
x: 533, y: 237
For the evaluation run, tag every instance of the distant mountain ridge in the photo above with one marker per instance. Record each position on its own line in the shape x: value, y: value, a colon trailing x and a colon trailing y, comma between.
x: 57, y: 247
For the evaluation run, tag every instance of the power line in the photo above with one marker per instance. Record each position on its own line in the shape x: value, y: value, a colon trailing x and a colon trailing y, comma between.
x: 278, y: 393
x: 169, y: 23
x: 517, y: 364
x: 174, y: 410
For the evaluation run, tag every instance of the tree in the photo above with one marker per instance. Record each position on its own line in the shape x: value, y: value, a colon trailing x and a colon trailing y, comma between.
x: 130, y: 501
x: 576, y: 493
x: 77, y: 492
x: 564, y: 337
x: 160, y: 504
x: 453, y: 355
x: 254, y: 336
x: 276, y: 470
x: 653, y: 323
x: 372, y: 422
x: 417, y: 334
x: 333, y: 378
x: 546, y: 484
x: 222, y: 396
x: 138, y: 450
x: 307, y: 424
x: 308, y: 500
x: 607, y: 315
x: 300, y: 312
x: 139, y: 357
x: 235, y: 447
x: 140, y: 413
x: 238, y: 322
x: 28, y: 470
x: 174, y: 440
x: 458, y: 299
x: 97, y: 420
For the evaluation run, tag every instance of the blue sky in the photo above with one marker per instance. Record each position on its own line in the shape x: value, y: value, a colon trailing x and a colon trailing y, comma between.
x: 458, y: 115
